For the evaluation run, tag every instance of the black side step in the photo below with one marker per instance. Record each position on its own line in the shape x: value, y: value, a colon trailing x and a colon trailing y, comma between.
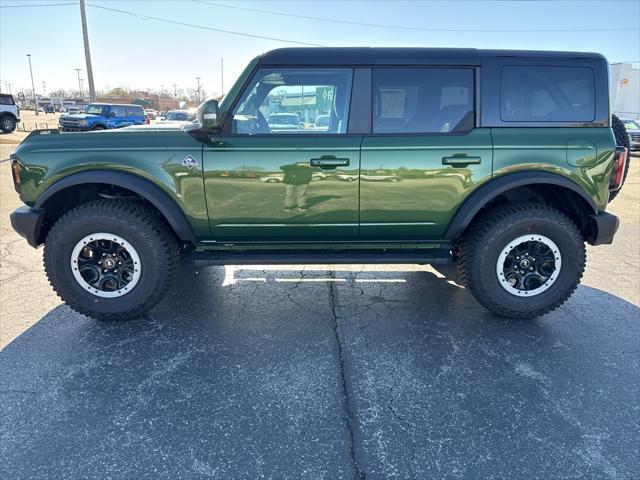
x: 201, y: 258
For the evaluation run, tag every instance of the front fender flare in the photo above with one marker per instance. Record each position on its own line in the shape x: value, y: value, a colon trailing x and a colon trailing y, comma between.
x: 150, y: 192
x: 497, y: 186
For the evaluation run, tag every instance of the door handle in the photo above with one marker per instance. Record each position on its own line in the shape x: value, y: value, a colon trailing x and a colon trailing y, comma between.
x: 460, y: 161
x: 329, y: 162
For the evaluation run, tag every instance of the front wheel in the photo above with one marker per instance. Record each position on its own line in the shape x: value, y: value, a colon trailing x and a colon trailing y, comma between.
x: 110, y: 259
x: 522, y: 260
x: 8, y: 124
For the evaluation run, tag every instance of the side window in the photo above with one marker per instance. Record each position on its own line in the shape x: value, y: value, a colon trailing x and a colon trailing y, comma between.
x: 118, y: 110
x: 295, y: 100
x: 422, y: 100
x: 546, y: 94
x: 137, y: 111
x: 6, y: 100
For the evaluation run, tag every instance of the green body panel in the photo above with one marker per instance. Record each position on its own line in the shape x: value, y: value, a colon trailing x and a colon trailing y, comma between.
x: 153, y: 153
x: 584, y: 155
x: 406, y: 193
x: 249, y: 179
x: 244, y: 191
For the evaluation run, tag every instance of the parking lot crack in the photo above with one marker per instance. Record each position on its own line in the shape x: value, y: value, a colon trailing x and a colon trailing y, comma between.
x: 347, y: 407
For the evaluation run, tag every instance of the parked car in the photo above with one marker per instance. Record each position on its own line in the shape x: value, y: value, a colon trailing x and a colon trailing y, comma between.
x: 101, y: 116
x: 322, y: 122
x: 178, y: 116
x: 151, y: 113
x: 633, y: 130
x: 284, y: 121
x: 9, y: 113
x: 49, y: 109
x: 524, y: 183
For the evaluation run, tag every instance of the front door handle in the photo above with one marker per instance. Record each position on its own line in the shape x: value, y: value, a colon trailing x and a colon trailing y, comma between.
x: 460, y: 161
x: 329, y: 162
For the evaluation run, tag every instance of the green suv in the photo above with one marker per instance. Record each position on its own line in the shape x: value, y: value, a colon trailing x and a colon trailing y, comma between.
x: 503, y: 161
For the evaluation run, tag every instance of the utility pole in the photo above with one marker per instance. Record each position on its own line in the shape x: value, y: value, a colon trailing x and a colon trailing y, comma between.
x: 222, y: 76
x: 162, y: 97
x: 79, y: 86
x: 33, y: 86
x: 87, y: 53
x: 198, y: 79
x: 44, y: 88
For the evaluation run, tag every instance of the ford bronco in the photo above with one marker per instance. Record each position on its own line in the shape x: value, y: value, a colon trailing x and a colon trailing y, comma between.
x: 100, y: 116
x: 507, y: 160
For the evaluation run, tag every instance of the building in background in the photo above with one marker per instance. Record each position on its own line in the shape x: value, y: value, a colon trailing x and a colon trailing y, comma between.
x: 624, y: 91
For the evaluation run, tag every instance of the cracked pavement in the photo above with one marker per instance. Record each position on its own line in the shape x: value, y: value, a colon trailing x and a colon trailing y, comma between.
x: 323, y: 372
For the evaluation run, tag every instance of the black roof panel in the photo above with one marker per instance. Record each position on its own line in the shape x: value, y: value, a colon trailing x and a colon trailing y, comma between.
x: 402, y: 56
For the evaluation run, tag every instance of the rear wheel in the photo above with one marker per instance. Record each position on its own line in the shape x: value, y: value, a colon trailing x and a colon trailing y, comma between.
x: 8, y: 124
x: 99, y: 127
x: 522, y: 260
x: 110, y: 259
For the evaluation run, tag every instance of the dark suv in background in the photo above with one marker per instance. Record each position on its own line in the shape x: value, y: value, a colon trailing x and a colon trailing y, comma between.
x: 101, y: 116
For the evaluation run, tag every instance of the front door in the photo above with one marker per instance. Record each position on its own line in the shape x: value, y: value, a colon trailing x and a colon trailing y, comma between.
x: 424, y: 155
x: 283, y: 169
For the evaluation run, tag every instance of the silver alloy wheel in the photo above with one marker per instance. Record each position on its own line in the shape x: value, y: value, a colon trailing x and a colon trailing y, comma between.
x: 106, y: 265
x: 528, y: 265
x: 7, y: 124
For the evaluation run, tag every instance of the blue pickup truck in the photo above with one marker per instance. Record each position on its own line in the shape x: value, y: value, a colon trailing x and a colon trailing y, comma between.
x: 100, y: 116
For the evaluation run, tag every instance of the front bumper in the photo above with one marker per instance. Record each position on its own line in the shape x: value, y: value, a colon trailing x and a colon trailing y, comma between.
x: 28, y: 222
x: 603, y: 227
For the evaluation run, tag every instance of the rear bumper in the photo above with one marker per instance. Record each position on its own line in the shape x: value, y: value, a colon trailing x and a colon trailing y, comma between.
x: 603, y: 228
x: 28, y: 222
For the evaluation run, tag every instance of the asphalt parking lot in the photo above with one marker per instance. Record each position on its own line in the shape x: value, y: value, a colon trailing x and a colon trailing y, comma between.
x: 323, y: 372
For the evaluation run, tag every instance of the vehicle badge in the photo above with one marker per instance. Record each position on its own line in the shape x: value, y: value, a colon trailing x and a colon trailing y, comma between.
x: 189, y: 162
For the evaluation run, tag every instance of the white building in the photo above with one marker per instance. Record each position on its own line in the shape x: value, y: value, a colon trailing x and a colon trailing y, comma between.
x: 624, y: 90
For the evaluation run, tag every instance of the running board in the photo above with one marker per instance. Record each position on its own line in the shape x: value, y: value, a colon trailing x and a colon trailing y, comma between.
x: 200, y: 258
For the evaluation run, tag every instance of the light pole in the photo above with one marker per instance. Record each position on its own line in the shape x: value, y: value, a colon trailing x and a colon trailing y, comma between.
x: 81, y: 80
x: 33, y: 86
x: 198, y: 79
x: 162, y: 97
x: 79, y: 86
x: 87, y: 53
x: 222, y: 76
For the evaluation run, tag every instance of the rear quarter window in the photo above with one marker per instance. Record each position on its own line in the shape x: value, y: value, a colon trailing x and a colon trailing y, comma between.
x: 547, y: 94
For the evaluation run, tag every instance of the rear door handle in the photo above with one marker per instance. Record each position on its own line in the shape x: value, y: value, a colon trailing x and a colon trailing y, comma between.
x: 460, y: 161
x: 329, y: 162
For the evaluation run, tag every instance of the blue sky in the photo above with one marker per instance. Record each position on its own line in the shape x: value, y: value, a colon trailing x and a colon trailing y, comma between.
x: 140, y: 52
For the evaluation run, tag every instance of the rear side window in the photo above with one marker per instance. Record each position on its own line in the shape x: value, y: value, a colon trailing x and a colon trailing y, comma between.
x: 422, y: 100
x: 6, y: 100
x: 118, y: 110
x: 547, y: 94
x: 134, y: 111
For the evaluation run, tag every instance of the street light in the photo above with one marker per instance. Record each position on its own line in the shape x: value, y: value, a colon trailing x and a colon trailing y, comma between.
x: 79, y: 85
x: 33, y: 87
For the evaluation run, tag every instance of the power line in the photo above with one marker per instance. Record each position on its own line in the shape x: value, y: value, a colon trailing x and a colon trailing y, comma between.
x: 140, y: 16
x: 38, y: 5
x: 404, y: 27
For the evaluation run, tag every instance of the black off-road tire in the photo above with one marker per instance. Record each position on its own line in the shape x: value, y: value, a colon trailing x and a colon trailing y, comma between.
x: 622, y: 140
x: 138, y: 224
x: 491, y: 232
x: 7, y: 123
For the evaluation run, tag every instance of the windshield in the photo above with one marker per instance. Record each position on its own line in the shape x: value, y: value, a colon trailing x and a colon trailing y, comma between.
x: 631, y: 125
x: 182, y: 116
x: 96, y: 109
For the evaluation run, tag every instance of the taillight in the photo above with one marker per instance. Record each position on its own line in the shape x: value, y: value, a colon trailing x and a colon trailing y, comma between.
x: 619, y: 164
x: 147, y: 120
x: 15, y: 170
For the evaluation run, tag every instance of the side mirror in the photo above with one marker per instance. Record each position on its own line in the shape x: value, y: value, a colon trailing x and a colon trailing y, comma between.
x: 111, y: 114
x: 209, y: 115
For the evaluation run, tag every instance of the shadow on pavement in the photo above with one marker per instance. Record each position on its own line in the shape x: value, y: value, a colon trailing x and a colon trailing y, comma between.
x: 279, y: 373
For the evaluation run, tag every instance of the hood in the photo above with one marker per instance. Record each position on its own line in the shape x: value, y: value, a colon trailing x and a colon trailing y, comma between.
x: 80, y: 116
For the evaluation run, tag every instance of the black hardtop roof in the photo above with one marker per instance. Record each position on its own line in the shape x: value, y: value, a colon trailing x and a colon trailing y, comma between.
x: 404, y: 56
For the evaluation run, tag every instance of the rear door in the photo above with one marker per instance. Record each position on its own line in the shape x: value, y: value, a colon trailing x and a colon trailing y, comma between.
x: 117, y: 117
x: 273, y: 175
x: 135, y: 115
x: 425, y: 153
